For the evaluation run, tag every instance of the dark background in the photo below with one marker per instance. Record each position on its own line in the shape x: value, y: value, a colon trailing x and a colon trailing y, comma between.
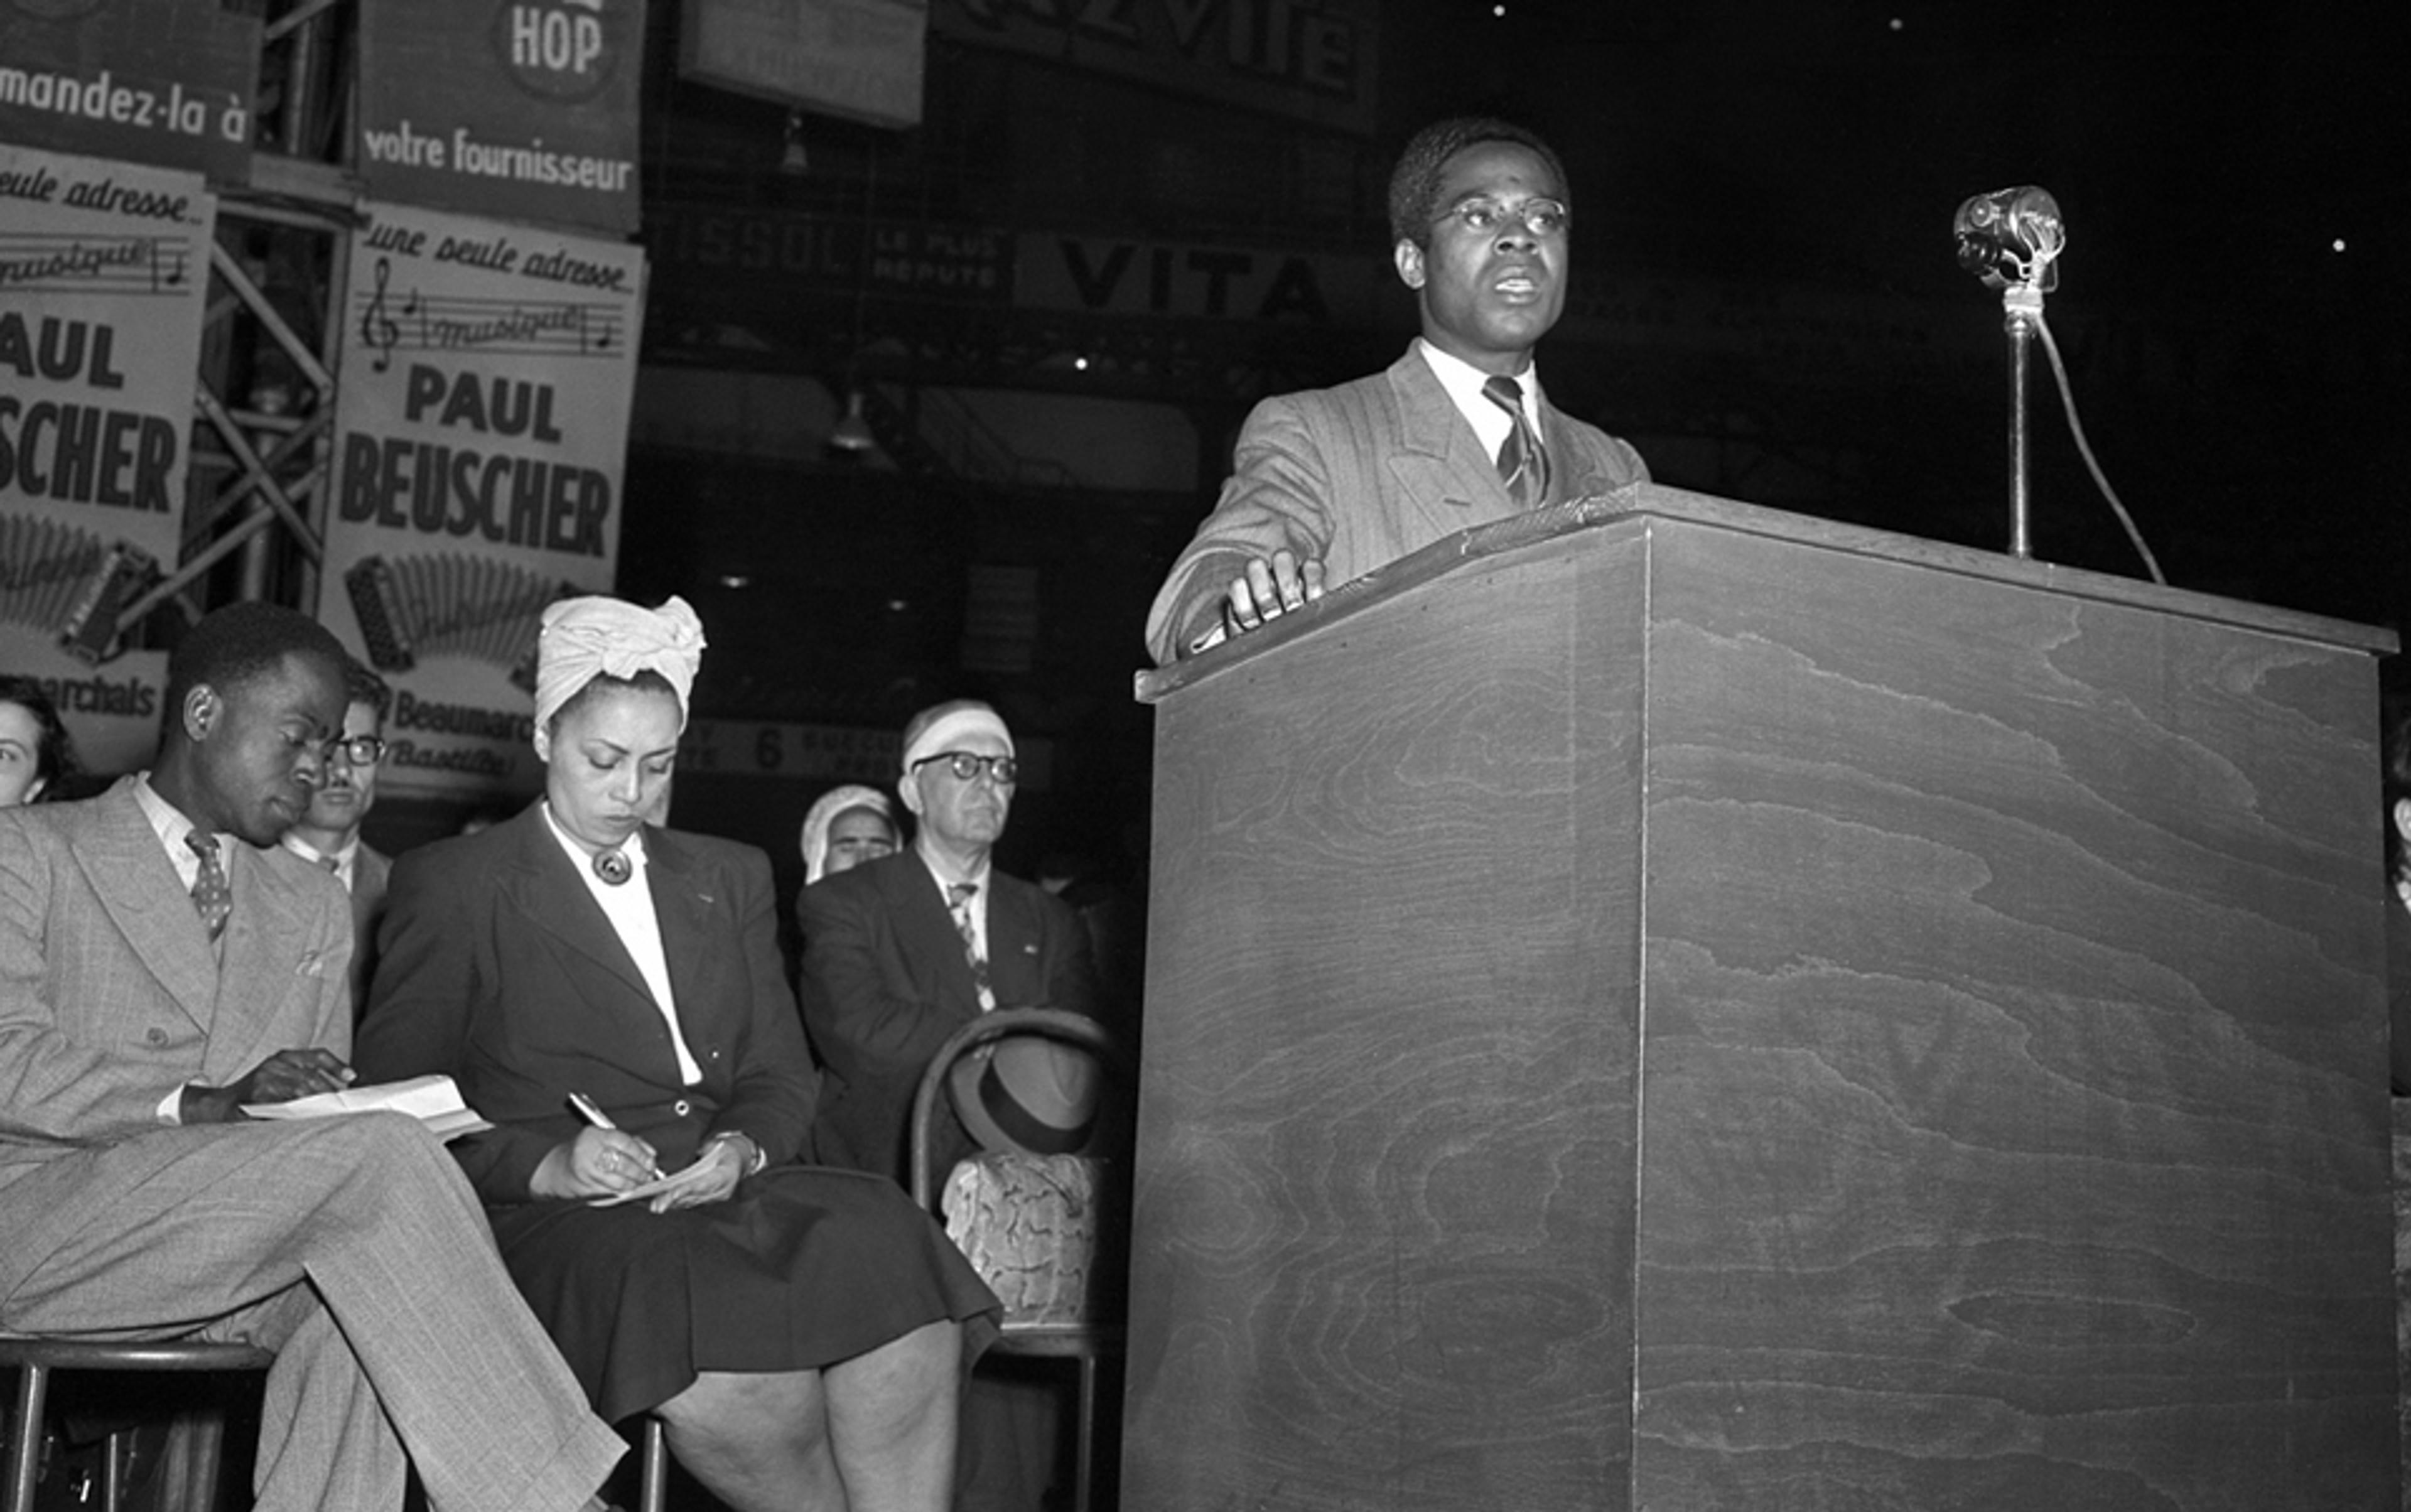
x: 2231, y: 305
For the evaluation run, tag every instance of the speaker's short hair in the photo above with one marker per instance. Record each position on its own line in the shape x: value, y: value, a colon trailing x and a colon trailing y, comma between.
x: 1414, y: 183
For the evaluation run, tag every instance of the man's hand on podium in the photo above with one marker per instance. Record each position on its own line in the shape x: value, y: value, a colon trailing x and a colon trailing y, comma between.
x: 1265, y: 592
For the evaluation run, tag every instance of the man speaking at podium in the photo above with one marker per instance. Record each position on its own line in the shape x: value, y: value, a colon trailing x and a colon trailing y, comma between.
x: 1332, y: 483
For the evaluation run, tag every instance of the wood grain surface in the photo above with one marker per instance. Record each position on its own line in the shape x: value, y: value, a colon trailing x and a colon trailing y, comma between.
x: 2015, y: 1118
x: 1678, y: 1016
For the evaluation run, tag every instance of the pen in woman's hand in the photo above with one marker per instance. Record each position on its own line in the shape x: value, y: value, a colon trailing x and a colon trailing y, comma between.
x: 585, y: 1108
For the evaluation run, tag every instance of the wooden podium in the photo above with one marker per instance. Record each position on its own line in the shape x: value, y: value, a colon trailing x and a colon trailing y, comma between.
x: 1665, y: 1004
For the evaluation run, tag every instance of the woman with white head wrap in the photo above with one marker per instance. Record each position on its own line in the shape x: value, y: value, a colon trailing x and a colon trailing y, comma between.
x: 801, y: 1330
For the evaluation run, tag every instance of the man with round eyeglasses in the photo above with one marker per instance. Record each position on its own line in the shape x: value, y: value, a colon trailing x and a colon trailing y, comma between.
x: 328, y: 831
x: 1329, y: 484
x: 901, y: 951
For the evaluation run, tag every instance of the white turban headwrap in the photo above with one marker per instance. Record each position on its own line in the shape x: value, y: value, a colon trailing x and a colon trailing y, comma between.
x: 826, y: 811
x: 948, y: 729
x: 585, y: 637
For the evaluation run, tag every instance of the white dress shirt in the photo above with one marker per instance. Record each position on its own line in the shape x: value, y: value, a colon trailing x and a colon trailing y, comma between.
x: 629, y: 906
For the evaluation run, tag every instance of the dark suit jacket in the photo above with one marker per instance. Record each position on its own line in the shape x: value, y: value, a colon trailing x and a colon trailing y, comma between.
x: 372, y: 875
x: 111, y: 996
x: 497, y: 966
x: 885, y: 981
x: 1360, y: 475
x: 2398, y: 971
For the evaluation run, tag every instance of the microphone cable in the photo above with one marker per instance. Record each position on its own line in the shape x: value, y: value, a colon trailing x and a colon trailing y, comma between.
x: 2084, y: 447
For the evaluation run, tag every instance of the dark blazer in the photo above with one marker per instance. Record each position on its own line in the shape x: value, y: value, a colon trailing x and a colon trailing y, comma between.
x: 1359, y: 475
x: 372, y: 875
x: 2398, y: 973
x: 497, y: 966
x: 885, y: 981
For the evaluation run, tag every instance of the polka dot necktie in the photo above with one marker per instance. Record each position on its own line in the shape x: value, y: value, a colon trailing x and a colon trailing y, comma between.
x: 959, y: 898
x: 1523, y: 465
x: 210, y: 894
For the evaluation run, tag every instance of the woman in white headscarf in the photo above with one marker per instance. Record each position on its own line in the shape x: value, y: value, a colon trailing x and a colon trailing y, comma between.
x: 610, y: 996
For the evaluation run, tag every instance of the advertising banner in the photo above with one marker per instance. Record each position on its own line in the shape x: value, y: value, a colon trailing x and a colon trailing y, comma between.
x: 1313, y: 61
x: 482, y: 423
x: 824, y: 753
x: 167, y: 82
x: 1106, y: 275
x: 520, y: 110
x: 761, y: 251
x: 857, y: 58
x: 104, y: 275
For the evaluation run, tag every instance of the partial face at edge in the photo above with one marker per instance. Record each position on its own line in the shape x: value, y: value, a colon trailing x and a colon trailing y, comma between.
x: 348, y: 790
x: 857, y: 836
x: 20, y: 755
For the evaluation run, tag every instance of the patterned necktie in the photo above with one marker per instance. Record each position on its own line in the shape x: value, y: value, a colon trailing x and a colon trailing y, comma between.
x: 1523, y: 465
x: 210, y: 894
x: 959, y: 898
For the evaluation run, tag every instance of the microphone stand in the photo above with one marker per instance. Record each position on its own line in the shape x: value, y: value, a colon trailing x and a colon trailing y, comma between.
x: 2009, y: 239
x: 2021, y: 306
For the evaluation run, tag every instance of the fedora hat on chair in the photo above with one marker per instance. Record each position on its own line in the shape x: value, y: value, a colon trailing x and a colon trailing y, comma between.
x: 1027, y: 1093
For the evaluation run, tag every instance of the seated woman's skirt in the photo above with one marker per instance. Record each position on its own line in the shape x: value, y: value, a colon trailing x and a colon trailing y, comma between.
x: 805, y: 1267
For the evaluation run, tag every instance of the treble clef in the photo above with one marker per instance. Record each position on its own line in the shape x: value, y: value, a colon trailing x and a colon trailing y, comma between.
x: 378, y: 329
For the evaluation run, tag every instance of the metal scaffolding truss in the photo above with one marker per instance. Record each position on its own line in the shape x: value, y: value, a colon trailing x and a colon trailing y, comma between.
x: 264, y: 395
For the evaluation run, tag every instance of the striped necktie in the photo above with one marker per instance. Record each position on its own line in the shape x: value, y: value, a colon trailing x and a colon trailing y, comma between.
x: 210, y: 894
x: 959, y: 898
x: 1523, y: 465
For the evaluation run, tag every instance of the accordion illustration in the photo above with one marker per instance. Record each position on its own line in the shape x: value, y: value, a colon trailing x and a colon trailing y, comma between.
x: 60, y: 580
x: 451, y: 604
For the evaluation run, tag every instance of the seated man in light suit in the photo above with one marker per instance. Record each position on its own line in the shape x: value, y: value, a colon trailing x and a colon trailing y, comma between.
x: 162, y: 966
x: 327, y: 834
x: 1331, y: 484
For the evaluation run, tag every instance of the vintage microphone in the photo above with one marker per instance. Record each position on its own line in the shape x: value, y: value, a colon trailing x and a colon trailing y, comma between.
x: 2011, y: 239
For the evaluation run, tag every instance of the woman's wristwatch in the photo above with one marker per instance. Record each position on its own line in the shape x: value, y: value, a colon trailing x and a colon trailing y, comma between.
x: 754, y: 1165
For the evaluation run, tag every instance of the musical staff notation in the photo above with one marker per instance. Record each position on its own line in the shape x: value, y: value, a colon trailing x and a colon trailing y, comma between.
x: 393, y: 321
x: 66, y: 262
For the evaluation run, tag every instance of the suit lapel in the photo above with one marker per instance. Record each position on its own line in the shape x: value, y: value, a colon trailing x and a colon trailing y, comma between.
x: 683, y: 901
x: 1442, y: 472
x: 924, y: 930
x: 546, y: 889
x: 370, y: 875
x: 269, y: 917
x: 1012, y: 945
x: 1574, y: 472
x: 130, y: 873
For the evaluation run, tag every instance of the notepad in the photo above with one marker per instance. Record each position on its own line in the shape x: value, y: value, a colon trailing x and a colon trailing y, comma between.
x: 433, y: 1100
